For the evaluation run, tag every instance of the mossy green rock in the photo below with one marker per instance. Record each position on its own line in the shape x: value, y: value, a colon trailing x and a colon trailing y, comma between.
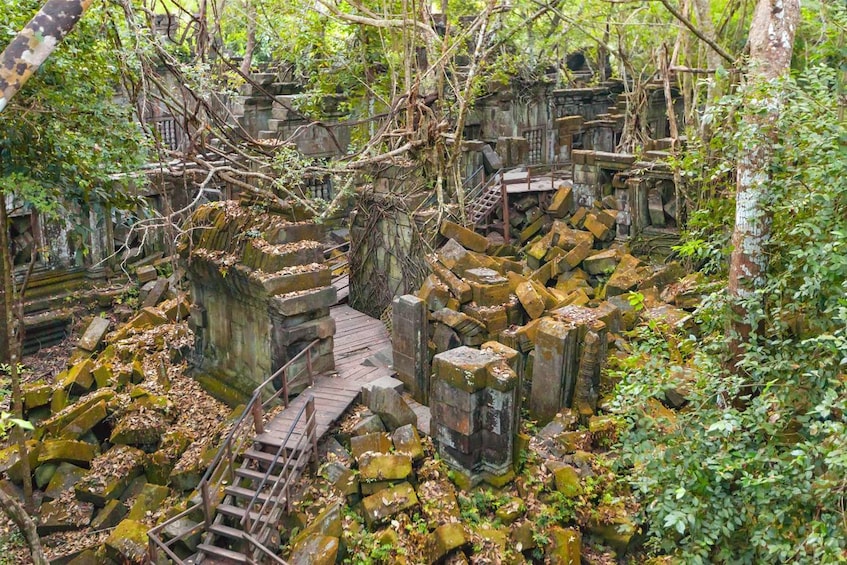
x: 10, y: 462
x: 445, y: 539
x: 566, y: 546
x: 376, y: 442
x: 140, y: 428
x: 386, y: 503
x: 87, y: 557
x: 134, y: 488
x: 79, y: 378
x: 617, y: 533
x: 84, y: 422
x: 103, y: 375
x: 64, y: 515
x: 36, y: 394
x: 382, y: 467
x: 148, y: 500
x: 567, y: 481
x: 161, y: 463
x: 68, y: 414
x: 347, y: 483
x: 66, y: 476
x: 109, y: 516
x: 110, y: 474
x: 43, y: 474
x: 187, y: 476
x: 315, y: 550
x: 408, y: 442
x: 128, y: 542
x: 67, y: 450
x: 510, y: 511
x: 522, y: 537
x: 327, y: 523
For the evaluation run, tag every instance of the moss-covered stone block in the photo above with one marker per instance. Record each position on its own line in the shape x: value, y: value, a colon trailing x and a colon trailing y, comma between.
x: 315, y: 550
x: 445, y: 539
x: 36, y: 394
x: 147, y: 501
x: 565, y: 547
x: 10, y: 462
x: 64, y: 478
x: 69, y: 413
x: 382, y: 467
x: 84, y: 422
x: 64, y: 515
x: 109, y: 516
x: 66, y: 450
x: 110, y: 474
x: 128, y: 542
x: 386, y: 503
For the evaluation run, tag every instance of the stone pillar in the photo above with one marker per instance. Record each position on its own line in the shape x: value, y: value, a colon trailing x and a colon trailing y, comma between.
x: 474, y: 413
x: 408, y: 329
x: 554, y: 371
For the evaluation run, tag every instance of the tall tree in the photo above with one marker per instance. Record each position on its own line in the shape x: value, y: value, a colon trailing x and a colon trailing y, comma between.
x: 771, y: 42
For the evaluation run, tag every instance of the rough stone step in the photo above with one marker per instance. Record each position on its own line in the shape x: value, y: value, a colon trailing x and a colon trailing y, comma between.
x: 233, y: 556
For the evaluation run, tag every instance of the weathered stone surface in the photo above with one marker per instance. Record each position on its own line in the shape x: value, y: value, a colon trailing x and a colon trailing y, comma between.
x: 94, y: 334
x: 84, y: 422
x: 567, y: 481
x: 147, y: 501
x: 440, y: 503
x: 316, y: 549
x: 146, y: 274
x: 434, y: 292
x: 58, y: 451
x: 128, y: 542
x: 140, y: 428
x: 367, y: 425
x: 63, y: 480
x: 575, y: 256
x: 601, y: 263
x: 297, y: 303
x: 109, y: 516
x: 391, y: 408
x: 530, y: 299
x: 566, y: 546
x: 510, y: 511
x: 408, y: 337
x: 597, y: 228
x: 378, y: 443
x: 110, y: 474
x: 36, y: 394
x: 64, y: 515
x: 626, y: 277
x: 382, y: 467
x: 466, y: 237
x: 386, y: 503
x: 160, y: 287
x: 408, y: 442
x: 458, y: 287
x: 445, y: 539
x: 554, y: 373
x: 562, y: 202
x: 10, y: 462
x: 78, y: 378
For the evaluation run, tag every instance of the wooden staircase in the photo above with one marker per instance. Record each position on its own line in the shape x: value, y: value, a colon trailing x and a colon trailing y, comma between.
x: 486, y: 195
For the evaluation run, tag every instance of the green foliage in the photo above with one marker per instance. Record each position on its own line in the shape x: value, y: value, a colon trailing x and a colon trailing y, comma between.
x: 65, y: 133
x: 761, y: 479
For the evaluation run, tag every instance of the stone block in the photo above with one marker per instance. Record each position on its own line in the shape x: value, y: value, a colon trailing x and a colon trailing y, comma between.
x: 63, y: 515
x: 156, y: 293
x: 109, y: 516
x: 554, y: 373
x: 444, y: 539
x: 296, y: 303
x: 530, y: 300
x: 627, y: 276
x: 146, y: 274
x: 390, y: 406
x: 382, y: 467
x: 566, y: 546
x: 128, y: 542
x: 78, y: 379
x: 381, y: 506
x: 562, y: 202
x: 110, y: 474
x: 36, y: 394
x: 84, y: 422
x: 601, y: 263
x: 70, y: 451
x: 299, y: 279
x: 94, y: 334
x: 368, y: 425
x: 408, y: 442
x: 147, y: 501
x: 434, y: 293
x: 458, y: 287
x: 375, y: 442
x: 63, y: 480
x: 469, y: 239
x: 597, y: 228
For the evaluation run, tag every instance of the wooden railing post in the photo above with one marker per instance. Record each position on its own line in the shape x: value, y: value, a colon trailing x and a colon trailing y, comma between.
x: 285, y: 387
x: 152, y: 553
x: 256, y: 409
x: 207, y: 504
x: 309, y: 365
x: 230, y: 462
x: 310, y: 430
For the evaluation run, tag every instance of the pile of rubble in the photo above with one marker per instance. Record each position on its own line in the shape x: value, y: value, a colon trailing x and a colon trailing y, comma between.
x: 569, y: 296
x: 120, y: 437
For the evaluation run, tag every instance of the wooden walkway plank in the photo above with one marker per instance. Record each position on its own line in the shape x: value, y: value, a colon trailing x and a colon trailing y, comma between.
x: 357, y: 337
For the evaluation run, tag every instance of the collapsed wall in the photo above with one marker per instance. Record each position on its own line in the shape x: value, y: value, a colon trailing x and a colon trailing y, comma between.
x: 260, y: 294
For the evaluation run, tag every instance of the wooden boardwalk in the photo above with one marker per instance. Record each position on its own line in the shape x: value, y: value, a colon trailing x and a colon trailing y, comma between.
x: 357, y: 337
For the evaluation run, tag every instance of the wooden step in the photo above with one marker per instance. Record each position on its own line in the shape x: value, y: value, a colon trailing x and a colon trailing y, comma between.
x: 255, y: 475
x: 226, y: 531
x: 236, y: 512
x: 247, y: 494
x: 268, y: 459
x: 232, y: 556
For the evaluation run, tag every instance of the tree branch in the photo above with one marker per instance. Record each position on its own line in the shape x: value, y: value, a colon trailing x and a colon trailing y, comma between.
x: 717, y: 48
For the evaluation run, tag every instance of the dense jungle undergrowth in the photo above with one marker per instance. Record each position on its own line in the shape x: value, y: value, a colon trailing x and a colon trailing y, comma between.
x: 753, y: 469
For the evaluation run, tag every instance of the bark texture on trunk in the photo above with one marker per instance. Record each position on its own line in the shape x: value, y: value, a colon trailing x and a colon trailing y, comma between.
x: 33, y: 44
x: 25, y: 524
x: 771, y: 42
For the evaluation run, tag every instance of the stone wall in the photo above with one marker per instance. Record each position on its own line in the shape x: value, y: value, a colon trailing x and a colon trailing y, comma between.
x: 260, y: 294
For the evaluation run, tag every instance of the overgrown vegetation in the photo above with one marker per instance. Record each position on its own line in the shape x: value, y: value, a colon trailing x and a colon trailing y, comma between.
x: 761, y: 478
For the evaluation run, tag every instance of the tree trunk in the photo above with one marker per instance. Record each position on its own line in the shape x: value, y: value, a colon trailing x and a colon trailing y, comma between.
x: 9, y: 322
x: 771, y: 42
x: 31, y: 47
x: 247, y: 62
x: 18, y: 515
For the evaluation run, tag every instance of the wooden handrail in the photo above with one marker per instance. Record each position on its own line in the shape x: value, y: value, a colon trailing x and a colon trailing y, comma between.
x: 225, y: 457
